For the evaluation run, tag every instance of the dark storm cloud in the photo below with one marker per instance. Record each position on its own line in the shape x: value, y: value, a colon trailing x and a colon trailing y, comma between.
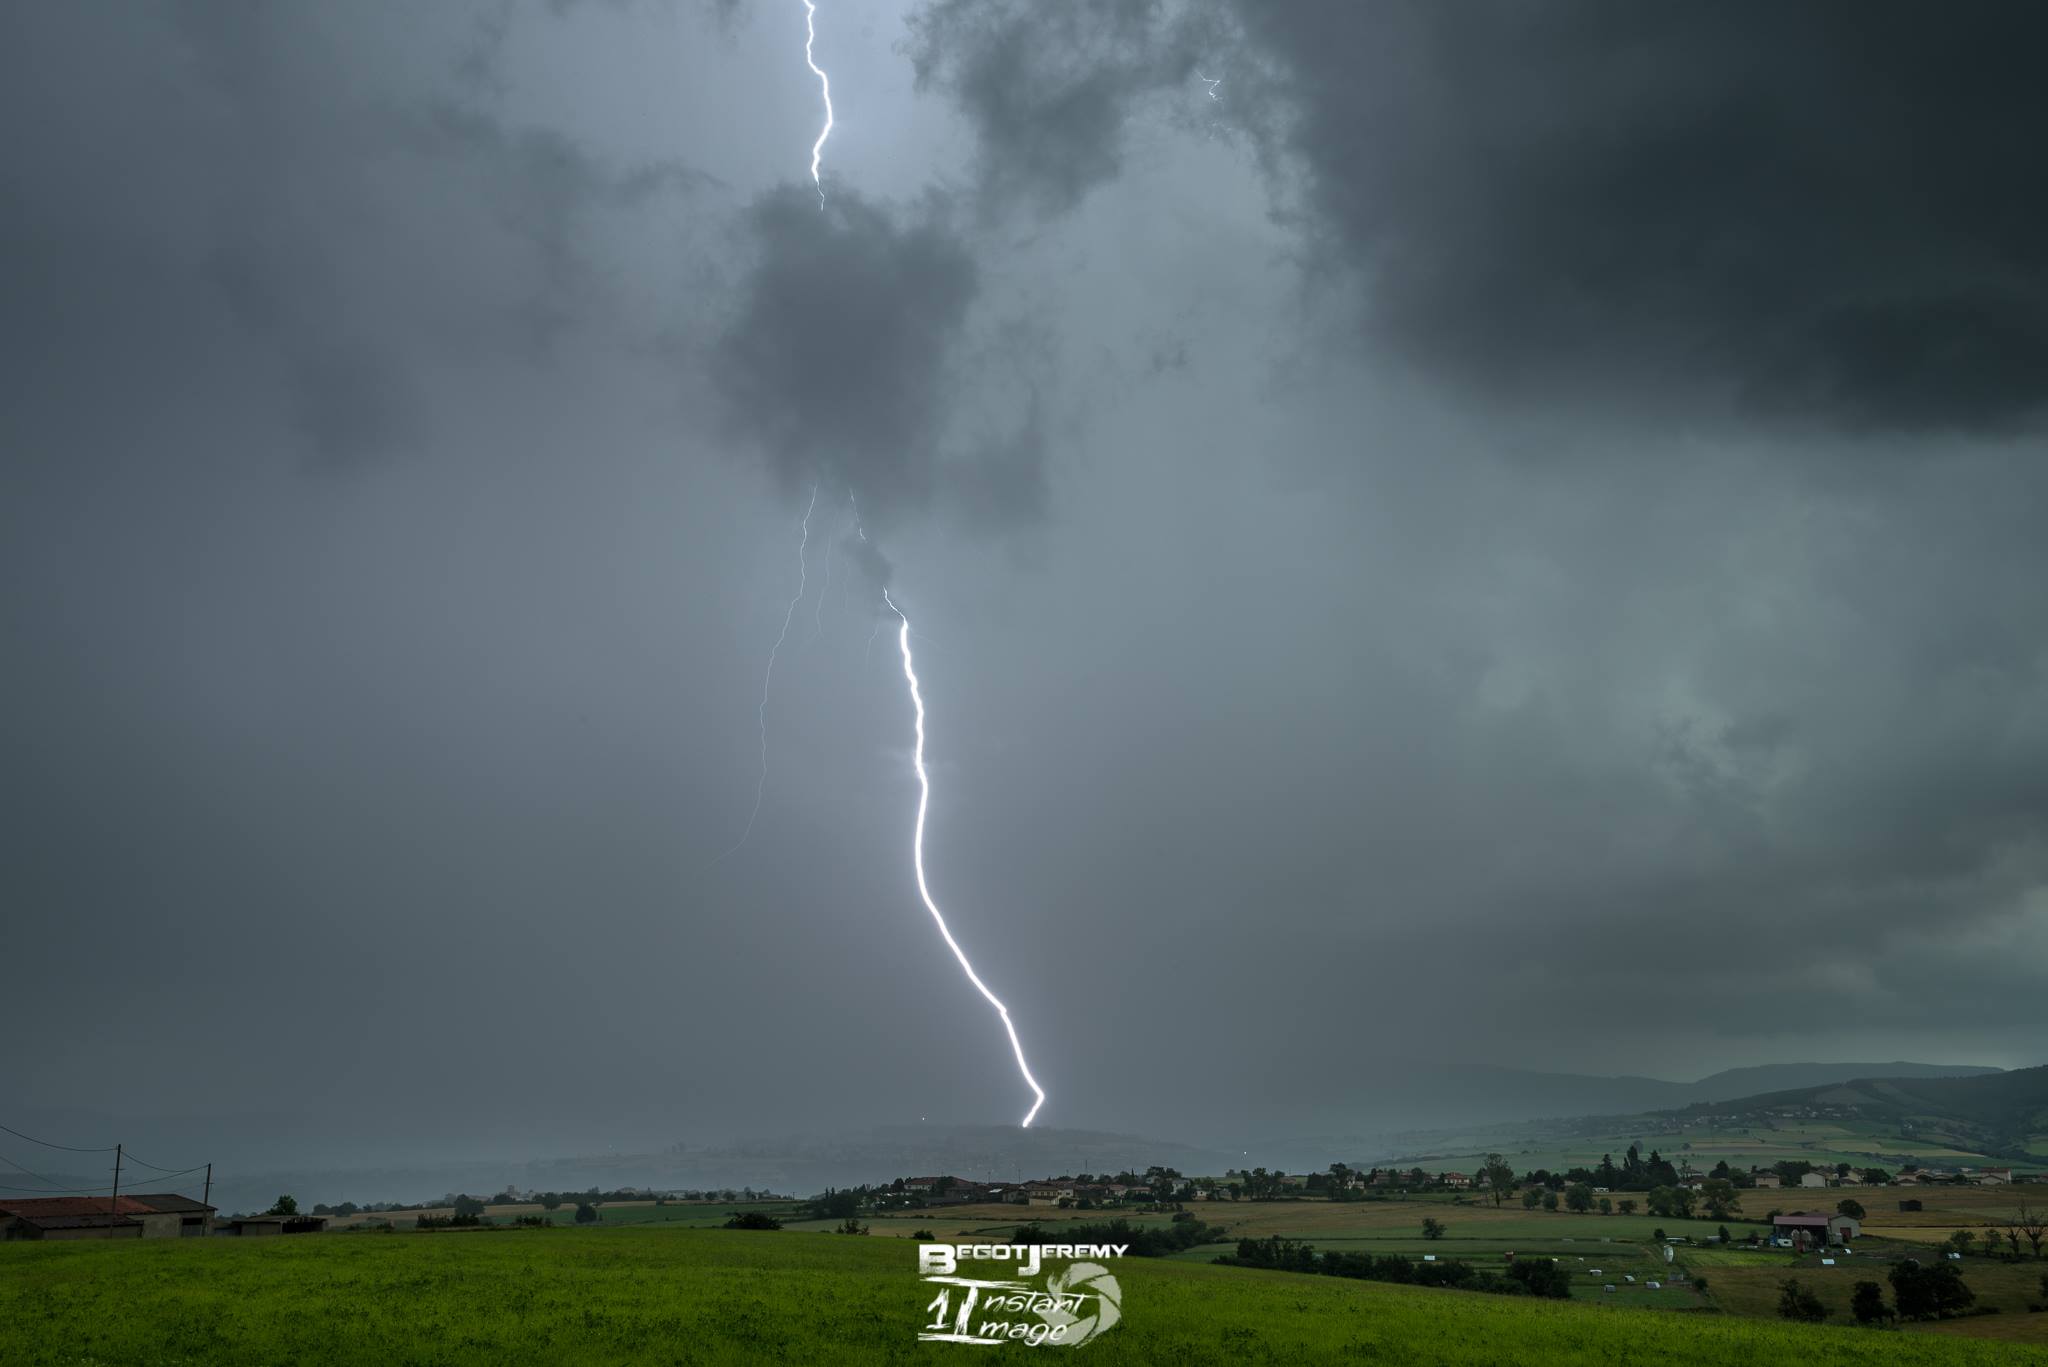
x: 315, y: 226
x: 1048, y: 89
x: 1821, y: 210
x: 845, y: 361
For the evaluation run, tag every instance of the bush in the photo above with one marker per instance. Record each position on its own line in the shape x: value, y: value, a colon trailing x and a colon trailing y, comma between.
x: 586, y: 1213
x: 1795, y: 1302
x: 923, y: 1234
x: 1542, y: 1277
x: 746, y: 1219
x: 1929, y: 1293
x: 1867, y: 1304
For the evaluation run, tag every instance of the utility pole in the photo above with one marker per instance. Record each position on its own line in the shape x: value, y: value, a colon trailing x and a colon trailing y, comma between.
x: 114, y: 1197
x: 206, y: 1199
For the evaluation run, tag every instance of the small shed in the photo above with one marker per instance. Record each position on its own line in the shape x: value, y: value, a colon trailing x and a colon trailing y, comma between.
x: 265, y: 1226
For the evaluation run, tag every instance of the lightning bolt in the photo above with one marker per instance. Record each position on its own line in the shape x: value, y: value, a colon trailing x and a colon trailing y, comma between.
x: 1211, y: 84
x: 818, y: 616
x: 924, y: 796
x: 824, y: 85
x: 768, y: 675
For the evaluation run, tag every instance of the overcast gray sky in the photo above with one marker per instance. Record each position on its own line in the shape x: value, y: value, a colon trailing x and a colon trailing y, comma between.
x: 1510, y: 533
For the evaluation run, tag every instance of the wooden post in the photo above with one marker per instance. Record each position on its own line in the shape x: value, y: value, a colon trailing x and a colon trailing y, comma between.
x: 206, y: 1199
x: 114, y: 1197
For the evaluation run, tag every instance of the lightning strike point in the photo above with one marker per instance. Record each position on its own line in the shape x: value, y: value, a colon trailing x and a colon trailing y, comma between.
x: 924, y: 796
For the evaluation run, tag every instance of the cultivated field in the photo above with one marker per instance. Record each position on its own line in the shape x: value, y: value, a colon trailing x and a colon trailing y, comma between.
x: 676, y: 1295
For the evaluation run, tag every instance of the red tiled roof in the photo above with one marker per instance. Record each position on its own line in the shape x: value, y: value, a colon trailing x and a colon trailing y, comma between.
x: 61, y: 1207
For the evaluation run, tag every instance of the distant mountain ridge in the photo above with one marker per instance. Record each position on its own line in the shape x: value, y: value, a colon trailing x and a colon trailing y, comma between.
x: 1991, y: 1113
x: 1731, y: 1083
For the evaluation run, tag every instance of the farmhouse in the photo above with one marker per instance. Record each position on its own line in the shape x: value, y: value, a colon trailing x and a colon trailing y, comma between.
x: 1766, y: 1179
x: 1816, y: 1226
x: 1813, y: 1179
x: 1994, y: 1177
x: 144, y: 1215
x: 1456, y: 1179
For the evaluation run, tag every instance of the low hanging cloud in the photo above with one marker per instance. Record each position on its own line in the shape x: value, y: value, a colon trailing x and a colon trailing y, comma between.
x: 847, y: 362
x: 1820, y: 212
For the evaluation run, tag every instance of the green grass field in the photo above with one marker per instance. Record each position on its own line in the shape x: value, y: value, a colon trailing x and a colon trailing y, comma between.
x: 675, y: 1295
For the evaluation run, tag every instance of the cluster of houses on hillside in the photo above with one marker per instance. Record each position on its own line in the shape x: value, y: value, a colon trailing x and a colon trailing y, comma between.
x: 1344, y: 1182
x: 140, y: 1215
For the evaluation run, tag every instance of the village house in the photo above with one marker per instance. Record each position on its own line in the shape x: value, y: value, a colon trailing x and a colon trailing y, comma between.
x: 1766, y: 1179
x: 1455, y: 1179
x: 1994, y: 1177
x: 1813, y: 1179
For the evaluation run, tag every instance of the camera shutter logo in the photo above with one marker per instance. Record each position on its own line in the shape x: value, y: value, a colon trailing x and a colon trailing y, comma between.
x: 1083, y: 1279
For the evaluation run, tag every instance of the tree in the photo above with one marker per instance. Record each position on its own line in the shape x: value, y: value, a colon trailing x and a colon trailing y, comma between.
x: 1542, y: 1277
x: 1850, y: 1207
x: 1960, y: 1241
x: 747, y: 1219
x: 1795, y: 1302
x: 551, y: 1200
x: 1628, y: 1205
x: 1531, y: 1199
x: 1866, y: 1303
x: 1720, y: 1198
x: 1606, y: 1205
x: 1432, y: 1228
x: 1926, y: 1293
x: 1579, y: 1198
x: 1550, y: 1200
x: 1499, y: 1177
x: 284, y: 1205
x: 468, y: 1206
x: 851, y: 1226
x: 2033, y: 1224
x: 836, y: 1204
x: 586, y: 1213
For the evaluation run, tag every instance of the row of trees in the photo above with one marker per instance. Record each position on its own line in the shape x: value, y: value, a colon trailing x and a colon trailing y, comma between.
x: 1529, y: 1277
x: 1919, y: 1292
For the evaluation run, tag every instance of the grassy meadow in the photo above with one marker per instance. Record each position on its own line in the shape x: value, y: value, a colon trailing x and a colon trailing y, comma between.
x: 670, y: 1294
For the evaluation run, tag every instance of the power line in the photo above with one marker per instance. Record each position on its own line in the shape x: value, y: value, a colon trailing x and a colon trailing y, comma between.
x: 31, y: 1172
x: 69, y: 1148
x: 160, y: 1168
x: 86, y: 1191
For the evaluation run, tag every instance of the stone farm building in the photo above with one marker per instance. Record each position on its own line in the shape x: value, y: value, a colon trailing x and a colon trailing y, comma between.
x: 1816, y: 1227
x: 144, y: 1215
